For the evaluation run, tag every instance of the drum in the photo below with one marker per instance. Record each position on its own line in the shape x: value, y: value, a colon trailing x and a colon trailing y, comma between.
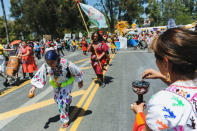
x: 12, y: 65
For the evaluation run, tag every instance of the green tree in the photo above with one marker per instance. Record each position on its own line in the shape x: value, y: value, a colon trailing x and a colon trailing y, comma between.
x: 132, y: 11
x: 154, y: 12
x: 45, y: 17
x: 2, y: 30
x: 160, y: 11
x: 116, y: 10
x: 178, y: 10
x: 11, y: 30
x: 110, y: 9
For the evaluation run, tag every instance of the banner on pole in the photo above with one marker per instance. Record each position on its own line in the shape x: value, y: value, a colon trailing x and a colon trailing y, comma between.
x: 94, y: 15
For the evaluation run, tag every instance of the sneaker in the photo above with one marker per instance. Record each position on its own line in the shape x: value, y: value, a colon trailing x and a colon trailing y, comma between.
x: 96, y: 81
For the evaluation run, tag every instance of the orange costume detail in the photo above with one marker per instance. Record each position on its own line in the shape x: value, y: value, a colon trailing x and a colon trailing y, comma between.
x: 28, y: 62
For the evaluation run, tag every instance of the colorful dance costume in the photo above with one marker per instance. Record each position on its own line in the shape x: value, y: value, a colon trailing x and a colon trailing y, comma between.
x: 172, y: 109
x: 100, y: 48
x: 84, y: 45
x: 62, y: 79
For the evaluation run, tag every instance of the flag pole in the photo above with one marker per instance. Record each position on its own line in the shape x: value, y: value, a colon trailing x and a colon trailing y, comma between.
x: 82, y: 17
x: 77, y: 1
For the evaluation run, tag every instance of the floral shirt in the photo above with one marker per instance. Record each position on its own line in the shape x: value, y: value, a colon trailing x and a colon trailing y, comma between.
x: 174, y: 108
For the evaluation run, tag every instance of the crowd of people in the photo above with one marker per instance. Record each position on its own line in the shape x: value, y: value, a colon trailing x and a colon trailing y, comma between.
x: 62, y: 72
x: 143, y: 39
x: 173, y: 108
x: 30, y: 50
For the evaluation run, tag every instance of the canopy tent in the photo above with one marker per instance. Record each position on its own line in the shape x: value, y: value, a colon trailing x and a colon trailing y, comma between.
x: 15, y: 42
x: 188, y: 26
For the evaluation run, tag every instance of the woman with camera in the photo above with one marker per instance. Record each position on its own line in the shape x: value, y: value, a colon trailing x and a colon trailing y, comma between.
x: 175, y: 107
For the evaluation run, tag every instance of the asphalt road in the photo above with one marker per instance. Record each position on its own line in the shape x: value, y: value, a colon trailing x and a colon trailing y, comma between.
x: 93, y: 108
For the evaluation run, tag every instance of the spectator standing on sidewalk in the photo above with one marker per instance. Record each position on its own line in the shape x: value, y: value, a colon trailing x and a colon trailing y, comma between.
x: 59, y: 47
x: 37, y: 49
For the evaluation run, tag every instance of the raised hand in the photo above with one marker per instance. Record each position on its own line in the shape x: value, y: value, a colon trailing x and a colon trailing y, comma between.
x: 152, y: 74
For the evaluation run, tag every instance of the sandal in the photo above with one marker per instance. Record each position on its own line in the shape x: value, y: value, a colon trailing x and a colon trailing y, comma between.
x: 65, y: 125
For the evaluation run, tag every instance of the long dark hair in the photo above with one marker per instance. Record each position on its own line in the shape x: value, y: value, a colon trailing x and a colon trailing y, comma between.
x: 100, y: 38
x: 180, y: 47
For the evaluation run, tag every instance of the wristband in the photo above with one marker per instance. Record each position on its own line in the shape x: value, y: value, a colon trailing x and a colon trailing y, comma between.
x: 140, y: 118
x: 139, y: 122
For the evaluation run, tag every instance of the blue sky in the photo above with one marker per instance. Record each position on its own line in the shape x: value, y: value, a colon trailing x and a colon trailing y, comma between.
x: 7, y: 10
x: 91, y: 2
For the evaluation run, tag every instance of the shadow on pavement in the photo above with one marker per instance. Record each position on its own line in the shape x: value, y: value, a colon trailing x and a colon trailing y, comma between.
x: 2, y: 90
x: 71, y: 109
x: 52, y: 119
x: 108, y: 79
x: 8, y: 86
x: 18, y: 82
x: 79, y: 110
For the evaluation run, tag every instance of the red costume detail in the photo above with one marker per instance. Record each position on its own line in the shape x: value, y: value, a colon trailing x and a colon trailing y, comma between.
x: 77, y: 1
x: 84, y: 45
x: 100, y: 48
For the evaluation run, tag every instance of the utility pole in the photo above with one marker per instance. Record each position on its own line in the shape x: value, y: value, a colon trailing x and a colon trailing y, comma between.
x: 6, y: 25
